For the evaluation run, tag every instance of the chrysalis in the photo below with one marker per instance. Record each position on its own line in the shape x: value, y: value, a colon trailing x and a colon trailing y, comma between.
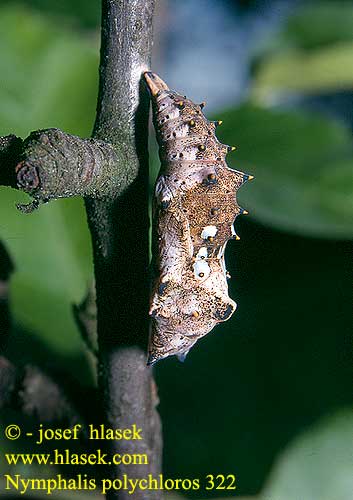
x: 194, y: 211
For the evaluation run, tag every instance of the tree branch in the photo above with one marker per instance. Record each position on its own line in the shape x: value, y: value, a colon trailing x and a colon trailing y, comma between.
x: 119, y: 227
x: 51, y: 164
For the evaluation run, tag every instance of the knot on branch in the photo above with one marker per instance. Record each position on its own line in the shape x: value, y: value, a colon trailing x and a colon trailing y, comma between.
x: 27, y: 177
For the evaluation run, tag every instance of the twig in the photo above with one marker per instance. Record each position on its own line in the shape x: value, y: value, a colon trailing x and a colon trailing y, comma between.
x: 85, y: 315
x: 51, y: 164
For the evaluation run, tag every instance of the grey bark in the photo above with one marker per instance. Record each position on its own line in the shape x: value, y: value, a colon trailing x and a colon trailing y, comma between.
x: 119, y: 226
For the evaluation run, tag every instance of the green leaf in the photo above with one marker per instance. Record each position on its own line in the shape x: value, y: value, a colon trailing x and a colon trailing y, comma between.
x: 78, y: 13
x: 49, y: 76
x: 303, y: 167
x: 53, y: 266
x: 322, y: 70
x: 322, y: 23
x: 49, y: 79
x: 318, y: 465
x: 312, y: 53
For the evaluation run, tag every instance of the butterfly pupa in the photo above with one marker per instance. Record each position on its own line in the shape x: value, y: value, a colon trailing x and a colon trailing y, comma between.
x: 194, y: 212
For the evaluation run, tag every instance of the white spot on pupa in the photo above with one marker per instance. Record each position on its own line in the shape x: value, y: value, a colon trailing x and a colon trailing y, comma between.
x: 173, y: 113
x: 190, y: 153
x: 181, y: 131
x: 177, y: 341
x: 201, y: 269
x: 208, y: 231
x: 233, y: 230
x: 202, y: 253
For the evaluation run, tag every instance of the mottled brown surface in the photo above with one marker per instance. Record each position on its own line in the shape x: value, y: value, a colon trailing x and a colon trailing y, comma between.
x: 195, y: 208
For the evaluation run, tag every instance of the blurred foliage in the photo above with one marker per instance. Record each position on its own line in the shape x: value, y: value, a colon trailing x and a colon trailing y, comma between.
x: 52, y: 255
x: 316, y: 24
x: 311, y: 53
x: 82, y: 13
x: 318, y: 465
x: 294, y: 71
x: 45, y: 84
x: 41, y: 86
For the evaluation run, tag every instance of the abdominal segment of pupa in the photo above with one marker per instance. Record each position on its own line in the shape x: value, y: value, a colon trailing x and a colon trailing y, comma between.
x: 194, y: 212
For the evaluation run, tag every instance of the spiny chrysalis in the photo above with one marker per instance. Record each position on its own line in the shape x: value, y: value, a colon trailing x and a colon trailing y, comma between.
x: 194, y: 210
